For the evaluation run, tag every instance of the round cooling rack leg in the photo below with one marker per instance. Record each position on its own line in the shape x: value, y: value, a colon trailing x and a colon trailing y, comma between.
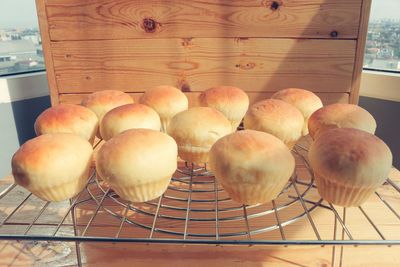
x: 344, y: 227
x: 388, y: 205
x: 72, y: 205
x: 334, y: 238
x: 96, y: 211
x: 123, y: 219
x: 98, y: 142
x: 342, y: 247
x: 14, y: 210
x: 77, y: 243
x: 247, y: 223
x: 278, y: 220
x: 37, y: 217
x: 8, y: 189
x: 302, y: 147
x: 372, y: 223
x: 216, y: 209
x: 392, y: 183
x: 156, y: 216
x: 188, y: 203
x: 305, y: 208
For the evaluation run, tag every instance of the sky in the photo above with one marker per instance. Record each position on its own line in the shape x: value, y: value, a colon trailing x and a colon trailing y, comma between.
x: 382, y: 9
x: 18, y: 14
x: 22, y: 13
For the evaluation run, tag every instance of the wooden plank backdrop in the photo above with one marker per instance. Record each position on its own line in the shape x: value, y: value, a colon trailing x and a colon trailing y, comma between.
x: 110, y: 19
x: 257, y: 45
x: 197, y: 64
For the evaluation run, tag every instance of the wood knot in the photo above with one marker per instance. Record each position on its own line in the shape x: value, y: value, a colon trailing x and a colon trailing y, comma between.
x: 184, y: 85
x: 187, y: 42
x: 239, y: 40
x: 243, y: 65
x: 274, y: 5
x: 334, y: 34
x: 149, y: 25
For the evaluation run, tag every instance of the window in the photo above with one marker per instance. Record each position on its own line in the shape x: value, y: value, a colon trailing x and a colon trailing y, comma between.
x: 382, y: 50
x: 20, y: 43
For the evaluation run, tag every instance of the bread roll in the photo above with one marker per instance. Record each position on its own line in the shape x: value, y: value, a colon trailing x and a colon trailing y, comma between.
x: 349, y: 165
x: 67, y: 118
x: 340, y: 116
x: 275, y: 117
x: 195, y: 130
x: 167, y: 101
x: 54, y: 166
x: 305, y: 101
x: 252, y: 166
x: 138, y: 163
x: 230, y: 101
x: 126, y: 117
x: 102, y: 102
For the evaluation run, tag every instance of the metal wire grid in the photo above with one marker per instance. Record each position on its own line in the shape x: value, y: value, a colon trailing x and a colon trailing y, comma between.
x: 198, y: 181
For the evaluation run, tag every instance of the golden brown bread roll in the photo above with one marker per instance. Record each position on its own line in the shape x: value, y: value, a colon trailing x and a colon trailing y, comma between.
x: 67, y: 118
x: 349, y: 165
x: 275, y: 117
x: 252, y: 166
x: 138, y: 163
x: 54, y: 166
x: 230, y: 101
x: 340, y: 116
x: 126, y: 117
x: 305, y: 101
x: 102, y: 102
x: 167, y: 101
x: 195, y: 130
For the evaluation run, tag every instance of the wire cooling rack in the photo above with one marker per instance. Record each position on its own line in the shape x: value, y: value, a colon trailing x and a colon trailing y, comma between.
x: 196, y: 210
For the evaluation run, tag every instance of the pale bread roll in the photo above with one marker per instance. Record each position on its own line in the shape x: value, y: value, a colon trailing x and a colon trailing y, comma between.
x: 230, y: 101
x: 138, y: 163
x: 67, y: 118
x: 54, y: 166
x: 195, y: 130
x: 340, y: 116
x: 252, y: 166
x: 349, y: 165
x: 167, y: 101
x: 101, y: 102
x: 275, y: 117
x: 126, y: 117
x: 305, y: 101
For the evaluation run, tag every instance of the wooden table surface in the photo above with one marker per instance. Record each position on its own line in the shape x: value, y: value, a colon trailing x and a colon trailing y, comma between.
x: 41, y: 253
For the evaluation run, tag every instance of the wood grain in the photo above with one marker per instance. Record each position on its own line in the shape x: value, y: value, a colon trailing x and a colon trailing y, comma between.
x: 198, y: 64
x: 47, y: 53
x: 327, y: 98
x: 101, y: 254
x: 110, y: 19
